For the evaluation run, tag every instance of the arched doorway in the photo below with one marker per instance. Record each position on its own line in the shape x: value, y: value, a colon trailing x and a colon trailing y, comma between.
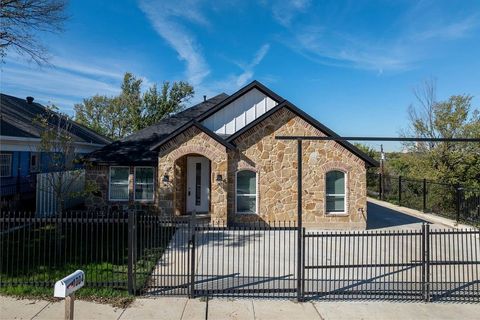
x: 192, y: 184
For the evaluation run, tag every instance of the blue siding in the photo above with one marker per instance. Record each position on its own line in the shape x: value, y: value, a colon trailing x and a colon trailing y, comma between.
x: 20, y: 175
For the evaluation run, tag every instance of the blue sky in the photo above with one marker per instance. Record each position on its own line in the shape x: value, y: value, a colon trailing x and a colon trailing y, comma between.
x: 350, y: 64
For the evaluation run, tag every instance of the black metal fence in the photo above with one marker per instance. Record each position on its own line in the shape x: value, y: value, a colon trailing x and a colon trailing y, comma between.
x: 260, y: 260
x: 39, y: 251
x: 152, y: 255
x: 425, y: 264
x: 451, y: 201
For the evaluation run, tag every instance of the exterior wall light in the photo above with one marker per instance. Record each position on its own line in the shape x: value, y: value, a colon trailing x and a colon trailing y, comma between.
x: 219, y: 179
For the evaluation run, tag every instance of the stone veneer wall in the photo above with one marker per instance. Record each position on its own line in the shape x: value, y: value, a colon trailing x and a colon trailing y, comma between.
x: 275, y: 162
x: 98, y: 200
x: 192, y: 141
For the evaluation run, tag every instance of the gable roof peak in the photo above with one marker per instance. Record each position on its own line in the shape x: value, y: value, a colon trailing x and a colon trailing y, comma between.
x: 255, y: 84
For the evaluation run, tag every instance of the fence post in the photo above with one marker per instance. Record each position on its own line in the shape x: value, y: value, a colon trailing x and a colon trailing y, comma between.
x: 302, y: 293
x: 192, y: 255
x: 380, y: 189
x: 426, y: 262
x: 399, y: 190
x: 300, y: 238
x: 458, y: 196
x: 424, y: 195
x: 132, y: 247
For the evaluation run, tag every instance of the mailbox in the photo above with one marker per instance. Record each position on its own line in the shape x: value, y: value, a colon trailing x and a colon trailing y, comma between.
x: 69, y: 284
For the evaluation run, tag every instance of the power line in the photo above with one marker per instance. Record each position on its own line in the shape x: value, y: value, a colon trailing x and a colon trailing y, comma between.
x: 399, y: 139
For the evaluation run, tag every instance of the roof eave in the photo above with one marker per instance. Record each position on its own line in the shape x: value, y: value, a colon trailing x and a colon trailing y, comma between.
x: 186, y: 126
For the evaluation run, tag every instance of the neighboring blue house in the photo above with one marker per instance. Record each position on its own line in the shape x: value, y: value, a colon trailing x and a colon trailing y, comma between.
x: 20, y: 160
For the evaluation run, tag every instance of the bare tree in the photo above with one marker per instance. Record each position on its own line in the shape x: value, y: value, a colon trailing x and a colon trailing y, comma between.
x: 422, y: 116
x: 21, y: 20
x: 58, y: 144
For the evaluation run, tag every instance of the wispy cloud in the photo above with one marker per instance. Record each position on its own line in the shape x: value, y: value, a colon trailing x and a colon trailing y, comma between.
x: 63, y: 83
x: 170, y: 20
x: 330, y: 44
x: 284, y: 11
x: 86, y: 69
x: 237, y: 80
x: 248, y: 69
x: 340, y: 50
x: 162, y: 15
x: 448, y: 30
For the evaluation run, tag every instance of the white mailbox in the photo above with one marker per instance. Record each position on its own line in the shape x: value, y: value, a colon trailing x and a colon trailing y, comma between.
x: 69, y: 284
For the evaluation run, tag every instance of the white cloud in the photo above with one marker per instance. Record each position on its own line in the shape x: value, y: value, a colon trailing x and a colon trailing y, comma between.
x: 448, y: 30
x: 168, y: 19
x: 62, y: 87
x: 284, y: 11
x: 161, y: 15
x: 236, y: 81
x: 345, y: 51
x: 248, y: 73
x: 86, y: 69
x: 411, y: 41
x: 64, y: 82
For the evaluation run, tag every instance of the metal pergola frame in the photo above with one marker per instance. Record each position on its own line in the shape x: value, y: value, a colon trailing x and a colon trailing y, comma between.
x: 299, y: 140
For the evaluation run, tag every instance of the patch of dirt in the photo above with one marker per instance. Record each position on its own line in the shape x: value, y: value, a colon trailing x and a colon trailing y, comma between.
x: 117, y: 302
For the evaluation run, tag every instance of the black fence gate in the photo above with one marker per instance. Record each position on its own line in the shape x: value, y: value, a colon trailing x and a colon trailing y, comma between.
x: 153, y: 255
x: 425, y: 264
x: 261, y: 260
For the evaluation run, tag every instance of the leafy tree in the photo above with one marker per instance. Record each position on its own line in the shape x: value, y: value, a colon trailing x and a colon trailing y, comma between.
x: 130, y: 111
x: 130, y: 102
x: 157, y: 105
x: 21, y: 19
x: 446, y: 162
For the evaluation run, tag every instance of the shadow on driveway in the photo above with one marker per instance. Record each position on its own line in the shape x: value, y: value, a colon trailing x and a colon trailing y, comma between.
x: 381, y: 217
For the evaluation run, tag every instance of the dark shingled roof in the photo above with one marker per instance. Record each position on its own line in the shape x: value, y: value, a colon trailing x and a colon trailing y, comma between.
x: 7, y: 129
x: 18, y: 117
x: 136, y: 147
x: 140, y: 147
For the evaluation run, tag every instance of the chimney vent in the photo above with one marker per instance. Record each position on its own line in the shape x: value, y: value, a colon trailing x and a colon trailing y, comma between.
x: 204, y: 98
x: 30, y: 100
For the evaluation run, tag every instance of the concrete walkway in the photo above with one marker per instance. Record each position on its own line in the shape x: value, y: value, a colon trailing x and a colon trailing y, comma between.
x: 223, y: 309
x: 385, y: 215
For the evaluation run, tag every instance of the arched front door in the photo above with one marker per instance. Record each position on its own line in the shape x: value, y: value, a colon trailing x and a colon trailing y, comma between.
x: 198, y: 184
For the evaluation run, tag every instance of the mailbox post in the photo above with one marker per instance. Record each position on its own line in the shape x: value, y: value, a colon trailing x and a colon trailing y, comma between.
x: 66, y: 288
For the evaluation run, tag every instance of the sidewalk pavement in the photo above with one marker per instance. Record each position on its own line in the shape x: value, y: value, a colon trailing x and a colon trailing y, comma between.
x: 240, y: 309
x: 430, y: 217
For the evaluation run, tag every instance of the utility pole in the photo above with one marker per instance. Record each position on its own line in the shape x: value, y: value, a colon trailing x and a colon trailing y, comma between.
x: 382, y: 172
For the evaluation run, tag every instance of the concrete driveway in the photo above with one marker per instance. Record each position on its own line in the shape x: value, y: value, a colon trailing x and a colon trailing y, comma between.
x: 245, y: 262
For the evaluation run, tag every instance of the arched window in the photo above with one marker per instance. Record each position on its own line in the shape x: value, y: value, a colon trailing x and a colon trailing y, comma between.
x: 246, y: 192
x: 335, y: 195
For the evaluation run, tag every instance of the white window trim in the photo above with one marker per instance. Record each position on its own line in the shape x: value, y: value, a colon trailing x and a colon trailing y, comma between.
x: 345, y: 195
x: 250, y: 194
x: 135, y: 183
x: 10, y: 165
x: 110, y: 184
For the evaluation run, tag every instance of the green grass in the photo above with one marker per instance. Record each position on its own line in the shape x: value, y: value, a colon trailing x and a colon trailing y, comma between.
x: 31, y: 261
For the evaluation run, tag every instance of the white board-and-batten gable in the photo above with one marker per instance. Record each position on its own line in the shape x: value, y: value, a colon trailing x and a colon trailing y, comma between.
x: 239, y: 113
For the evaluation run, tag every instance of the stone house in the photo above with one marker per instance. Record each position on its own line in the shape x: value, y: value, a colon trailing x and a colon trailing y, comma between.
x: 220, y: 158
